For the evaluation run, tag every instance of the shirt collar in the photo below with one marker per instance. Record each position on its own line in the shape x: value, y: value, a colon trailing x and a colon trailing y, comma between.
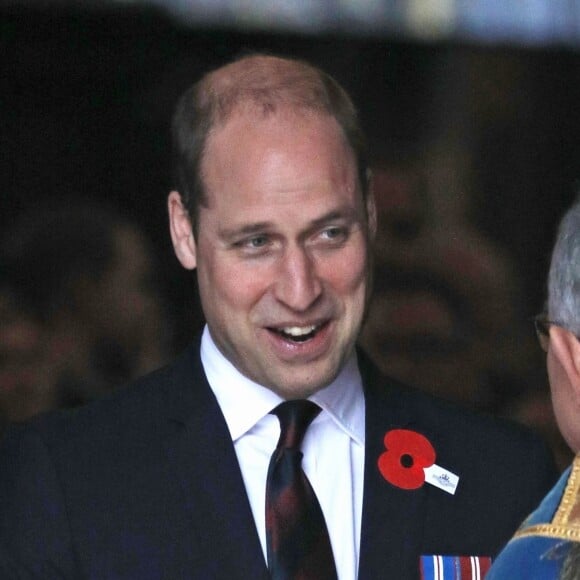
x: 244, y: 402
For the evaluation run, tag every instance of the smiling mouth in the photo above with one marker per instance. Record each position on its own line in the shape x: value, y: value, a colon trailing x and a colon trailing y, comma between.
x: 298, y: 333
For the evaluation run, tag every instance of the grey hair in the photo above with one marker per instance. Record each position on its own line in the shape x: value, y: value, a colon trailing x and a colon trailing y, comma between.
x: 564, y: 276
x: 571, y: 565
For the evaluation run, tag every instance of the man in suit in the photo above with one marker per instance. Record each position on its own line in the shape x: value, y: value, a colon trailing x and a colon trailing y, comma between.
x: 167, y: 479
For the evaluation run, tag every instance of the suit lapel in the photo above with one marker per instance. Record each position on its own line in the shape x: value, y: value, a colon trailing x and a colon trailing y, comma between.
x: 207, y: 472
x: 215, y: 503
x: 393, y: 518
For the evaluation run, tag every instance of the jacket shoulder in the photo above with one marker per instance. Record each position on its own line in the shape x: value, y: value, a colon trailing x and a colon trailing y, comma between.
x: 132, y: 411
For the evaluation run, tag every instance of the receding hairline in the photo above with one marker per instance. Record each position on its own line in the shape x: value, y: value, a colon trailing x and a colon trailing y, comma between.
x: 264, y: 83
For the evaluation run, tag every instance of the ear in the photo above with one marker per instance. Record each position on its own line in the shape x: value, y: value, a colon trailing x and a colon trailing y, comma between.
x: 371, y: 206
x: 181, y: 231
x: 566, y: 348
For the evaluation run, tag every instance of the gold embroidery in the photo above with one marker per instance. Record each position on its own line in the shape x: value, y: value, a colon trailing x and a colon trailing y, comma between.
x: 549, y: 531
x: 566, y: 522
x: 569, y: 497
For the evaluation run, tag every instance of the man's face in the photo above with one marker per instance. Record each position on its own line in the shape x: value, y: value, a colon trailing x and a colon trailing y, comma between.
x: 282, y: 249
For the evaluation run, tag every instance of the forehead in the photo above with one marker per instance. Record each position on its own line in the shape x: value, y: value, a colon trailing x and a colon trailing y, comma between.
x: 285, y: 152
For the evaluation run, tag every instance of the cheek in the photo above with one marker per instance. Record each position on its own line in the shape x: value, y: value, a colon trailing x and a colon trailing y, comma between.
x: 347, y: 275
x: 230, y: 287
x: 563, y: 403
x: 557, y: 377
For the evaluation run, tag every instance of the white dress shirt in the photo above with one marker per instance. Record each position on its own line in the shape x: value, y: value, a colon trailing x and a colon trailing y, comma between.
x: 333, y: 447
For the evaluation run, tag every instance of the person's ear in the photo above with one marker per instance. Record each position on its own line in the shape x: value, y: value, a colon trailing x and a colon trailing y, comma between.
x: 371, y: 207
x: 566, y: 348
x: 181, y: 230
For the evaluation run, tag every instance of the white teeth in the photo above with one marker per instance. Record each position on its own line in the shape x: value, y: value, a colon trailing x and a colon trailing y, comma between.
x: 299, y: 330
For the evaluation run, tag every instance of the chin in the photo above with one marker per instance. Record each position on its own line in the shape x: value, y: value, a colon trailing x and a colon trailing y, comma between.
x: 296, y: 392
x: 302, y: 389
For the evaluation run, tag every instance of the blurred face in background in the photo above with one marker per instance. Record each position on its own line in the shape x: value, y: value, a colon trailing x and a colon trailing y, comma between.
x: 124, y: 306
x: 443, y: 314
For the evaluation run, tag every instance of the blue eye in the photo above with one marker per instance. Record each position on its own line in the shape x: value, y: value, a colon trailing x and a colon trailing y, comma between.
x: 254, y: 245
x: 334, y: 233
x: 257, y: 242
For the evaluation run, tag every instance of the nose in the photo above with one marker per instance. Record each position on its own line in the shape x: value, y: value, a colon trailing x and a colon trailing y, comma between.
x: 298, y: 284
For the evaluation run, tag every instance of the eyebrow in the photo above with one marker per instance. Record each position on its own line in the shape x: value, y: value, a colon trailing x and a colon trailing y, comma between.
x: 246, y: 230
x: 346, y: 213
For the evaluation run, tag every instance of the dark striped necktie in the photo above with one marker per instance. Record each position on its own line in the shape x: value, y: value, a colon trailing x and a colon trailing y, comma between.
x: 297, y: 539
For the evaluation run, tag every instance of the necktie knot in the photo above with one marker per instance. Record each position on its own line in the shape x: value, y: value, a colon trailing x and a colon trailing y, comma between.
x: 295, y: 418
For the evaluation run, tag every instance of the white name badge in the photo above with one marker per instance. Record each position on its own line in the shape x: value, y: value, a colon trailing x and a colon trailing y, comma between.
x: 441, y: 478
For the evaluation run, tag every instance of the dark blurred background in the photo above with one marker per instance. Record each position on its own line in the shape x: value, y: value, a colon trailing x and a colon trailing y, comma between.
x: 472, y: 111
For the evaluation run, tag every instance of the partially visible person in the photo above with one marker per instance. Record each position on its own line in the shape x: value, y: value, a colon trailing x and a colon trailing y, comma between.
x: 547, y: 545
x: 80, y: 311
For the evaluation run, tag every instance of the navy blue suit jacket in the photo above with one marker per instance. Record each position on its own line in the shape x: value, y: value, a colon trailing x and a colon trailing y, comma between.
x: 146, y: 485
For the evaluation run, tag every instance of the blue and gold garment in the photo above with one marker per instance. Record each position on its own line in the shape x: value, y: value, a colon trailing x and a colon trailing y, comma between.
x: 547, y: 545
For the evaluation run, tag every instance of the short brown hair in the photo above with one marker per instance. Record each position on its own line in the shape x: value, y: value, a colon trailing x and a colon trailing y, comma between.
x: 266, y: 83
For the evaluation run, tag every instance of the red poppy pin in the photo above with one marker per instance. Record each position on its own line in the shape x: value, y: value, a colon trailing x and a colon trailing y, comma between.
x: 409, y: 462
